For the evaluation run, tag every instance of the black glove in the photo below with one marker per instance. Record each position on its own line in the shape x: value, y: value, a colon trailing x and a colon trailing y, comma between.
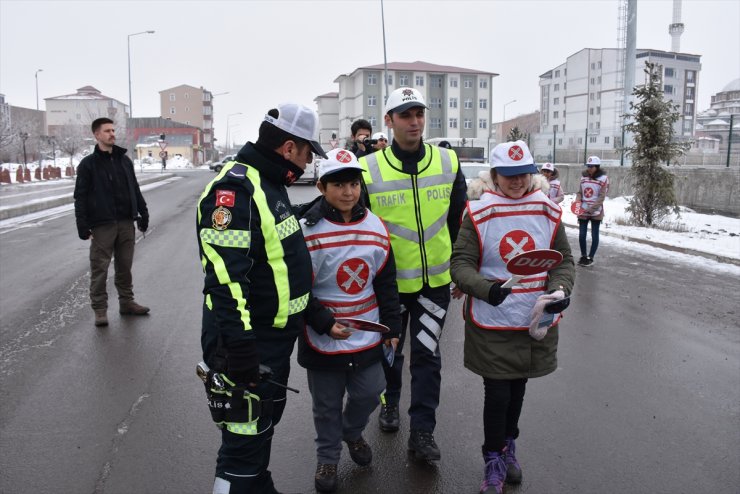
x: 243, y: 362
x: 557, y: 306
x: 84, y: 234
x: 496, y: 294
x: 143, y: 223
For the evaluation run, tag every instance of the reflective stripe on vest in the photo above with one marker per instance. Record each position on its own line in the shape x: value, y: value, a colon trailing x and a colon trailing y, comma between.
x: 507, y: 227
x: 415, y: 209
x: 345, y: 259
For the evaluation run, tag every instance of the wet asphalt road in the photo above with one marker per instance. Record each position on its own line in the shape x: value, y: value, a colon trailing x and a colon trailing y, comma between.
x: 646, y: 398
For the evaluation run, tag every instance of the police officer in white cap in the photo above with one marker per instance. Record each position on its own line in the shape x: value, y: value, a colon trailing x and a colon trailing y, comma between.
x: 257, y: 286
x: 419, y: 192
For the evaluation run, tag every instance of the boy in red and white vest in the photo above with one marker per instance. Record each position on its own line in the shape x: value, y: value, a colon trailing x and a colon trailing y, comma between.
x: 354, y: 275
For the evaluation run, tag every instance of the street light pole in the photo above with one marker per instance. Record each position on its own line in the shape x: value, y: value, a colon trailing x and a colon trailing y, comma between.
x: 503, y: 119
x: 36, y: 75
x: 130, y: 105
x: 228, y: 131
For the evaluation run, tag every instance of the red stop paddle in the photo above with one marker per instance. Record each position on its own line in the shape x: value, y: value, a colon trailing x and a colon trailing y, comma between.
x: 530, y: 263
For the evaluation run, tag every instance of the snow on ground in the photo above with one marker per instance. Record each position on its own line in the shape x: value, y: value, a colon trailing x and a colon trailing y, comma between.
x: 710, y: 233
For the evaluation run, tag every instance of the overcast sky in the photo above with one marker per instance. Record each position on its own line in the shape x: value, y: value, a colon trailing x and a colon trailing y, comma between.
x: 266, y: 52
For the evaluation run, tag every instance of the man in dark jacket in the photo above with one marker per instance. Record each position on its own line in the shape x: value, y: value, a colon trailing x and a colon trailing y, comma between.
x: 257, y: 285
x: 361, y: 130
x: 107, y: 202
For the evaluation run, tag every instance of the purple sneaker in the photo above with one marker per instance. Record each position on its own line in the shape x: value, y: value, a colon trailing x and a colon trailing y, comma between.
x: 513, y: 470
x: 494, y: 473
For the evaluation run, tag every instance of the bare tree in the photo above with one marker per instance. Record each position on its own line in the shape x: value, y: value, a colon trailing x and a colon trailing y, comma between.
x: 72, y: 140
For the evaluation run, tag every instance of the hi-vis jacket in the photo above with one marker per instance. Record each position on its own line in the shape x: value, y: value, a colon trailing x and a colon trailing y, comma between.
x: 592, y: 192
x: 255, y: 260
x: 415, y: 209
x: 345, y: 259
x: 507, y: 227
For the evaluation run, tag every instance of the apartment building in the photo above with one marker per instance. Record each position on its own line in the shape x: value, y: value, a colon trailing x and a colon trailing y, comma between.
x: 713, y: 124
x: 75, y: 112
x: 459, y: 99
x: 191, y: 105
x: 581, y: 100
x: 328, y: 110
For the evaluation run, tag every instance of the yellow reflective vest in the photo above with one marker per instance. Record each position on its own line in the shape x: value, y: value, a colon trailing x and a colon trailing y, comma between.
x: 415, y: 210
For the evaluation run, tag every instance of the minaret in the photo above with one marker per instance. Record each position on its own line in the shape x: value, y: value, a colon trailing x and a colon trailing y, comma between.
x: 675, y: 28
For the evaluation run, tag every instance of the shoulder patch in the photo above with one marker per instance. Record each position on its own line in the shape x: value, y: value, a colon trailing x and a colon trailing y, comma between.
x: 239, y: 170
x: 221, y: 218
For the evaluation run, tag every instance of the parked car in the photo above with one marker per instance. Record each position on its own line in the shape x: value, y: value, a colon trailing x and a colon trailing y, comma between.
x: 311, y: 174
x: 471, y: 170
x: 216, y: 167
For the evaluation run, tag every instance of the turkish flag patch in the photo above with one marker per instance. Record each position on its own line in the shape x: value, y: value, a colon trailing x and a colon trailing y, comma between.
x: 225, y: 198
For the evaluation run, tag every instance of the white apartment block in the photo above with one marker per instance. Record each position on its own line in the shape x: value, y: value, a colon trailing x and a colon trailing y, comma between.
x: 328, y: 110
x: 583, y: 97
x: 459, y: 99
x: 78, y: 110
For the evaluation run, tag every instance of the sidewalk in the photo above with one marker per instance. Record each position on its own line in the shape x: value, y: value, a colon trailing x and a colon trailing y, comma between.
x: 31, y: 197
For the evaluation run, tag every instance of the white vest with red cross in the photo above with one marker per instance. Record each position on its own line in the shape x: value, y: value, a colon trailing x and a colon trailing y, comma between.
x: 345, y: 258
x: 507, y: 227
x: 590, y: 190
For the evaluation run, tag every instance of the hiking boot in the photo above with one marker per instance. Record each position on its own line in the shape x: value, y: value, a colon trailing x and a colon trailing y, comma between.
x: 360, y: 452
x: 326, y: 477
x: 513, y: 470
x: 422, y: 444
x: 133, y: 309
x: 388, y: 418
x: 101, y: 317
x: 582, y: 261
x: 493, y: 474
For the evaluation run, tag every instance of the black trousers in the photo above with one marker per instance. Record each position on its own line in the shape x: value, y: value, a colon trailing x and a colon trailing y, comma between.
x: 502, y: 407
x: 243, y: 460
x: 423, y: 315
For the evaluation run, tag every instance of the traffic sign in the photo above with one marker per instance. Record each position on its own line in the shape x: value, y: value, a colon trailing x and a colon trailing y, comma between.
x: 162, y: 145
x: 163, y: 154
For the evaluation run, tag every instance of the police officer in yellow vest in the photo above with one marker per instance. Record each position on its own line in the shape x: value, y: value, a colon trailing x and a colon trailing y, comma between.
x: 257, y: 283
x: 419, y: 192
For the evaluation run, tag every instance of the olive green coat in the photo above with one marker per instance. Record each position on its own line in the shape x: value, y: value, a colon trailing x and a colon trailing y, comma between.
x: 499, y: 354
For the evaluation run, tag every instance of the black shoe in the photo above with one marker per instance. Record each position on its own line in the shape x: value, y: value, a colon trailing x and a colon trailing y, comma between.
x: 326, y: 477
x: 388, y: 418
x: 582, y: 261
x: 588, y: 262
x: 360, y: 452
x: 422, y: 444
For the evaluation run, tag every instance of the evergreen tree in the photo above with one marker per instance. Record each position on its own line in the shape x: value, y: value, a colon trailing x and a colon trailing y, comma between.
x: 515, y: 135
x: 652, y: 128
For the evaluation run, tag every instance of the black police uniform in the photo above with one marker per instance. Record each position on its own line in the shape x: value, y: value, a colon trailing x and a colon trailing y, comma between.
x: 257, y: 282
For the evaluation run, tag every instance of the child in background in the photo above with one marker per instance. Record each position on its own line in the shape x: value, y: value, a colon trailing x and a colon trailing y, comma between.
x: 354, y: 275
x: 553, y: 177
x: 591, y: 194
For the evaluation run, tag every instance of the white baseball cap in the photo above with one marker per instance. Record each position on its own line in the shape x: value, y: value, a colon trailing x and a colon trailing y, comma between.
x: 299, y: 121
x: 404, y: 98
x: 593, y: 161
x: 548, y: 166
x: 512, y: 158
x: 380, y: 135
x: 338, y: 160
